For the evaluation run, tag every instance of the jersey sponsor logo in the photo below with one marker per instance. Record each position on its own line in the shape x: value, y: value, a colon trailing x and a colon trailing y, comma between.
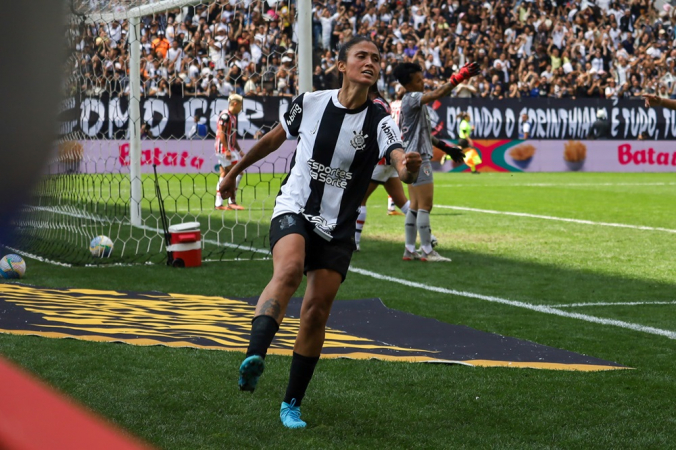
x: 358, y: 142
x: 295, y: 109
x: 329, y: 175
x: 389, y: 132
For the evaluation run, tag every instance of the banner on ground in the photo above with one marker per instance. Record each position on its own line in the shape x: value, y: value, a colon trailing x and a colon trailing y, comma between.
x: 174, y: 117
x: 358, y: 329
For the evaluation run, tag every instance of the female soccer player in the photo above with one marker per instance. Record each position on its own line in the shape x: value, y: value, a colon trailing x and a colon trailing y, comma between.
x: 415, y: 126
x: 341, y: 137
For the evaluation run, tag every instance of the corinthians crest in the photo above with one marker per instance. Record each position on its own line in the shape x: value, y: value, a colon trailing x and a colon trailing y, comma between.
x: 358, y: 142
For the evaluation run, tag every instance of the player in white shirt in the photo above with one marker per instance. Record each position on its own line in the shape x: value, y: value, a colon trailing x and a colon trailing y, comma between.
x: 341, y: 137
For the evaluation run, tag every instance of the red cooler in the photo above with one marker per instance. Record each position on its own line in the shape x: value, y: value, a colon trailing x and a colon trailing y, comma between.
x: 186, y: 244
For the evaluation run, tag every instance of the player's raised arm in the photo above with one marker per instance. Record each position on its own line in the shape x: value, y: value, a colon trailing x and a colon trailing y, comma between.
x: 268, y: 144
x: 465, y: 73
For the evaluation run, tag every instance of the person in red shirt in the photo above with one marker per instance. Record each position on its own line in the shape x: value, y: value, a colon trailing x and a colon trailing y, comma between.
x: 228, y: 151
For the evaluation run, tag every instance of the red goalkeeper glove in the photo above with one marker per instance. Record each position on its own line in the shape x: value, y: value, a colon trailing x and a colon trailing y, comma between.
x: 454, y: 152
x: 465, y: 73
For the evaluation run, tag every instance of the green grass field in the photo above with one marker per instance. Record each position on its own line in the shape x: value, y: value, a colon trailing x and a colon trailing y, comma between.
x: 188, y: 399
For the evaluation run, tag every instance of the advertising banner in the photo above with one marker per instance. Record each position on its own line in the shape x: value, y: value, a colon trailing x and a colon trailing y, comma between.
x: 572, y: 156
x: 171, y: 156
x: 549, y: 118
x: 197, y: 156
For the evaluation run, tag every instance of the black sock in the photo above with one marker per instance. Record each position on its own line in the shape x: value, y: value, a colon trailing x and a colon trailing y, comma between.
x: 302, y: 368
x: 263, y: 330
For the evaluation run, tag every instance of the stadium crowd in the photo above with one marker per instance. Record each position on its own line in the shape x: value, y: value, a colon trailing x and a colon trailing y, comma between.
x: 526, y: 48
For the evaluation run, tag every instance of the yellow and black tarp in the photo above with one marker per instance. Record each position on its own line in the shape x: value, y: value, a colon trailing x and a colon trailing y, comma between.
x: 360, y: 329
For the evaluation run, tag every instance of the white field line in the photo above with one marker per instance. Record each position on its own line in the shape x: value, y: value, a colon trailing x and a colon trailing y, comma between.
x: 39, y: 258
x: 556, y: 184
x: 538, y: 308
x: 196, y: 210
x: 560, y: 219
x: 142, y: 227
x: 576, y: 305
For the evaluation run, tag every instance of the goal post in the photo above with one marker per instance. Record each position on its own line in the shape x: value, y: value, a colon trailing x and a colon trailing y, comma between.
x: 134, y: 34
x: 117, y: 123
x: 133, y: 16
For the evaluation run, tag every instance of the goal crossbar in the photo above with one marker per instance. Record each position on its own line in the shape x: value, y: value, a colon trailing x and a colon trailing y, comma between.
x: 136, y: 11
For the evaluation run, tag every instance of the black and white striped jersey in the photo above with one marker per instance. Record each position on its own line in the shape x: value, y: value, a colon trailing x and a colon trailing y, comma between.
x: 332, y: 166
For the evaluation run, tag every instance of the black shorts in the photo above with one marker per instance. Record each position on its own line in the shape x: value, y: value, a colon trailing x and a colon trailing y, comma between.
x: 319, y: 253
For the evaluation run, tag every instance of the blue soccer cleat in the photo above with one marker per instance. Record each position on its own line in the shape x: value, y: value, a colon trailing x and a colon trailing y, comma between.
x: 290, y: 415
x: 249, y: 371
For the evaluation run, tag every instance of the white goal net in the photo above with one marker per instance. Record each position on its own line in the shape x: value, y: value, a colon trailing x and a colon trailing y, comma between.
x: 191, y: 57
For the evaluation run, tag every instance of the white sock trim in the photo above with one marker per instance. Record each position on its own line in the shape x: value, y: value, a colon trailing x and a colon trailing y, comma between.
x: 219, y: 199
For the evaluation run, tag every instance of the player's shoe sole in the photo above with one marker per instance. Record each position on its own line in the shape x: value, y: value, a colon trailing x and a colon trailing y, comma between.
x: 394, y: 212
x: 235, y: 206
x: 222, y: 208
x: 249, y: 371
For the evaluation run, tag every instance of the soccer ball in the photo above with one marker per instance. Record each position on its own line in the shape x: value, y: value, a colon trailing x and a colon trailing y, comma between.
x: 101, y: 247
x: 12, y: 266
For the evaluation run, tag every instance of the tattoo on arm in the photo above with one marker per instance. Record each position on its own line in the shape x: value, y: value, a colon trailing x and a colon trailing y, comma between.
x: 271, y: 308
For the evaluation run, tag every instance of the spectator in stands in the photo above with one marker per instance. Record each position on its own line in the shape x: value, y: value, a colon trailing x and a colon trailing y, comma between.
x: 318, y: 79
x: 160, y: 45
x: 174, y: 56
x: 327, y: 21
x: 200, y: 128
x: 601, y: 48
x: 225, y: 86
x: 612, y: 92
x: 252, y: 86
x: 162, y: 89
x: 524, y: 127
